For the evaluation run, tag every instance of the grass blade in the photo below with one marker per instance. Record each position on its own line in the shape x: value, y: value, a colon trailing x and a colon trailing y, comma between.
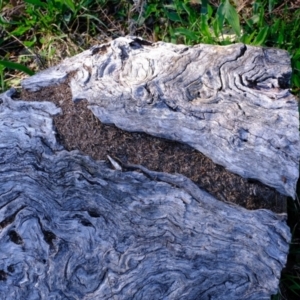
x: 70, y: 5
x: 16, y: 66
x: 36, y: 3
x: 261, y: 37
x: 228, y: 12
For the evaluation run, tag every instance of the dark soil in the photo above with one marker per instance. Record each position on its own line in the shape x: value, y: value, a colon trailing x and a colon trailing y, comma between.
x: 79, y: 129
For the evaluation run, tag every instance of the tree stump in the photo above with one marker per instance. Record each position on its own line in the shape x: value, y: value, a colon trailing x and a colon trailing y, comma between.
x: 73, y: 227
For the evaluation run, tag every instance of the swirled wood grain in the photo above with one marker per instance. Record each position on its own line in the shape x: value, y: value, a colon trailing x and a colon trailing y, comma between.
x: 231, y: 103
x: 73, y: 228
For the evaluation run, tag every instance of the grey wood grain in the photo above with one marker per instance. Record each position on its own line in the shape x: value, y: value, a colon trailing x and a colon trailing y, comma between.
x: 74, y: 228
x: 231, y: 103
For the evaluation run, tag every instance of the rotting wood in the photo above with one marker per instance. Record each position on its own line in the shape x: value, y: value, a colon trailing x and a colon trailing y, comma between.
x: 78, y: 129
x: 73, y: 228
x: 231, y: 103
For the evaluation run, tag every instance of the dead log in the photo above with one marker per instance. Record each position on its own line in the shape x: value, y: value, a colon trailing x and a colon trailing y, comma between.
x: 73, y: 228
x: 78, y: 129
x: 231, y: 103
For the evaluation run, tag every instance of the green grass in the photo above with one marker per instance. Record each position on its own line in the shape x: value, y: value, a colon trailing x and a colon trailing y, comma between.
x: 36, y: 34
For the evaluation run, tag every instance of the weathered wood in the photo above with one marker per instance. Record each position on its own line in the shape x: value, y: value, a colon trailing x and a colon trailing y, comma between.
x: 73, y: 228
x: 231, y: 103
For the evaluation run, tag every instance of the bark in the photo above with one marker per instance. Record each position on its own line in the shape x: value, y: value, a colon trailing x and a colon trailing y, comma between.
x: 74, y: 228
x: 231, y: 103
